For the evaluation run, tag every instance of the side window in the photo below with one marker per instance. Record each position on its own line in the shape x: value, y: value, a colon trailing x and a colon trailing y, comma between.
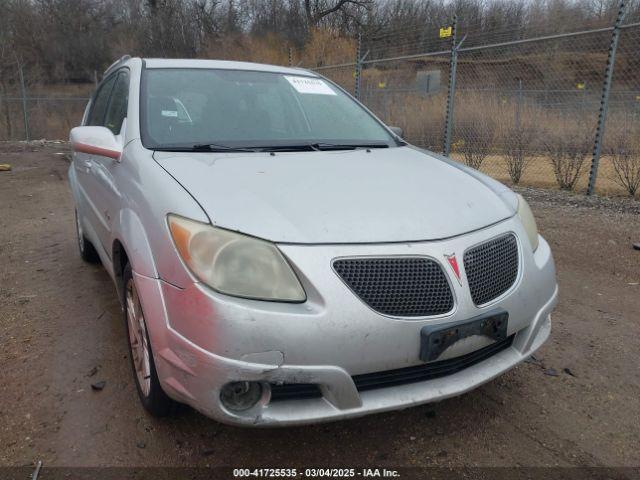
x: 117, y: 109
x: 99, y: 107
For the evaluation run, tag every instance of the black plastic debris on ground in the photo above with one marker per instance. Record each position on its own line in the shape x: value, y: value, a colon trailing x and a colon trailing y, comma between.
x: 98, y: 385
x: 534, y: 361
x: 552, y: 372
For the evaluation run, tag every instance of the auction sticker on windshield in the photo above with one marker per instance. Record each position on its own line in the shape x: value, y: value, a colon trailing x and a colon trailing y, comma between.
x: 310, y: 85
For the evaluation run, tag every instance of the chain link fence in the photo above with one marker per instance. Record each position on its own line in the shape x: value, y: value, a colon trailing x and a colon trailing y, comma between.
x: 39, y: 116
x: 621, y: 142
x: 522, y: 105
x: 31, y: 109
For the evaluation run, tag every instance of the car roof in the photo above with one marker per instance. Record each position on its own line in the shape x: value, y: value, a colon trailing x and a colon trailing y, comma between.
x: 223, y: 64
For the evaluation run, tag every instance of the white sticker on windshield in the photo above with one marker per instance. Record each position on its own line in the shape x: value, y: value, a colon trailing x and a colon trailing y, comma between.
x: 169, y: 113
x: 310, y: 85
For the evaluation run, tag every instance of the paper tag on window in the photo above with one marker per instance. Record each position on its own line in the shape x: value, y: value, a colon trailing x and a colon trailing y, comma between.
x: 310, y: 85
x: 169, y: 113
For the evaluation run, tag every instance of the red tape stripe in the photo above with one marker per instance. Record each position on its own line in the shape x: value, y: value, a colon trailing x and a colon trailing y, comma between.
x: 93, y: 150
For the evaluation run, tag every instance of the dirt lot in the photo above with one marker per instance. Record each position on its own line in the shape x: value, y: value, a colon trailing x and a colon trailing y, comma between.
x: 60, y: 321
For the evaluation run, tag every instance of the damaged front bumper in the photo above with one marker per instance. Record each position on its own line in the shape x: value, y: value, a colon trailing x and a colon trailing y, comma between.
x: 203, y: 340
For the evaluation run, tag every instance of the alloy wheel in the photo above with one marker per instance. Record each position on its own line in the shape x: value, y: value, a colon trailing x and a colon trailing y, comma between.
x: 138, y: 338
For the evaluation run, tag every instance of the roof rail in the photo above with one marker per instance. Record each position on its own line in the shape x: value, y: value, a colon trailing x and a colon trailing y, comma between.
x: 116, y: 63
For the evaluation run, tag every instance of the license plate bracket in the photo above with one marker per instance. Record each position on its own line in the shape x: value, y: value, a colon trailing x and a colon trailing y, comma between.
x: 437, y: 338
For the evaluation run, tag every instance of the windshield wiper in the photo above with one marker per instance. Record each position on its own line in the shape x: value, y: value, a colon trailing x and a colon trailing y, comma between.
x: 204, y: 147
x: 302, y: 147
x: 215, y: 147
x: 318, y: 146
x: 347, y: 146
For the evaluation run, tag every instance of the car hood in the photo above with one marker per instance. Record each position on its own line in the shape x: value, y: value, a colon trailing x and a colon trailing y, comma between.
x: 353, y: 196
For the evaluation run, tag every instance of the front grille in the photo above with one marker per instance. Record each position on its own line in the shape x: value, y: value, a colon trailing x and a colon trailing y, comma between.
x: 294, y: 391
x: 400, y: 376
x: 492, y: 267
x: 398, y: 286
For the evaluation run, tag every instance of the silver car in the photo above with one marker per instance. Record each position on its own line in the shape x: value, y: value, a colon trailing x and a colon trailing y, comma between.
x: 283, y: 257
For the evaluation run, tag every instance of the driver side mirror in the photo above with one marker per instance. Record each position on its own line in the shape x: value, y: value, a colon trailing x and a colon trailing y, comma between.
x: 397, y: 131
x: 95, y: 141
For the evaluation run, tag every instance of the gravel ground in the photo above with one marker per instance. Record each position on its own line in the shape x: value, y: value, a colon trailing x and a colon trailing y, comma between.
x: 61, y: 330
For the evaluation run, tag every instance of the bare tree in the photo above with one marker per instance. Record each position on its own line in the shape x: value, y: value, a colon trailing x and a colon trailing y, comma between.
x: 517, y: 150
x: 475, y: 130
x: 623, y: 147
x: 316, y: 10
x: 567, y: 143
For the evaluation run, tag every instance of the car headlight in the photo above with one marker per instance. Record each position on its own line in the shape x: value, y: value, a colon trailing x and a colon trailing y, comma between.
x: 233, y: 263
x: 528, y: 221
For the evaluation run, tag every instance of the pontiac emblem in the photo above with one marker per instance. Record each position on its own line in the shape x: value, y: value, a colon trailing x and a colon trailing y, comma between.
x: 453, y: 263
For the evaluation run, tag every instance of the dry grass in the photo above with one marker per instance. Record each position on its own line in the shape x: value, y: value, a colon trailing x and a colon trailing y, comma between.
x: 326, y: 47
x: 474, y: 132
x: 540, y: 174
x: 267, y: 49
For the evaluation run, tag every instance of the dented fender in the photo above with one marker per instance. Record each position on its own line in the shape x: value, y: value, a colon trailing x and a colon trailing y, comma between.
x: 129, y: 231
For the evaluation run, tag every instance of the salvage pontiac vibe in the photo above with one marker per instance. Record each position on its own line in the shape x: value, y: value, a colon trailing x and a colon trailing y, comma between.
x: 283, y: 257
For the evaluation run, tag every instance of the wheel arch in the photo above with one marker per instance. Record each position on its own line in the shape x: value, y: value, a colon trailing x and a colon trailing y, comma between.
x: 131, y: 245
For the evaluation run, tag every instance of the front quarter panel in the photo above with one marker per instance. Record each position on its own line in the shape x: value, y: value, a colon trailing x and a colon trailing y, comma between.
x: 148, y: 194
x: 133, y: 237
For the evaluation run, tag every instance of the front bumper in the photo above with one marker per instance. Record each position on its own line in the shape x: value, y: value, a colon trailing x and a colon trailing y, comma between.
x: 203, y: 340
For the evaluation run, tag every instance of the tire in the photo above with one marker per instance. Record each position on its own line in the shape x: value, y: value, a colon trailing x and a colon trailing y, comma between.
x: 152, y: 397
x: 87, y: 251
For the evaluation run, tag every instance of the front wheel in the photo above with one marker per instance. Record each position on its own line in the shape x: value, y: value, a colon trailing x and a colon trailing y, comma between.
x: 153, y: 398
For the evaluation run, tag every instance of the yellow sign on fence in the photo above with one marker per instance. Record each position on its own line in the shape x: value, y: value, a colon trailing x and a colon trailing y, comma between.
x: 446, y: 32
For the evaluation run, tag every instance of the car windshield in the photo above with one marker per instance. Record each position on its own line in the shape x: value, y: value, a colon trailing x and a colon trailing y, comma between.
x: 215, y: 109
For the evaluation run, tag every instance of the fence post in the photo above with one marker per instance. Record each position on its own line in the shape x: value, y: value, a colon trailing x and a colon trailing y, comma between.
x: 290, y: 56
x: 448, y: 124
x: 358, y: 73
x: 604, y: 101
x: 23, y: 89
